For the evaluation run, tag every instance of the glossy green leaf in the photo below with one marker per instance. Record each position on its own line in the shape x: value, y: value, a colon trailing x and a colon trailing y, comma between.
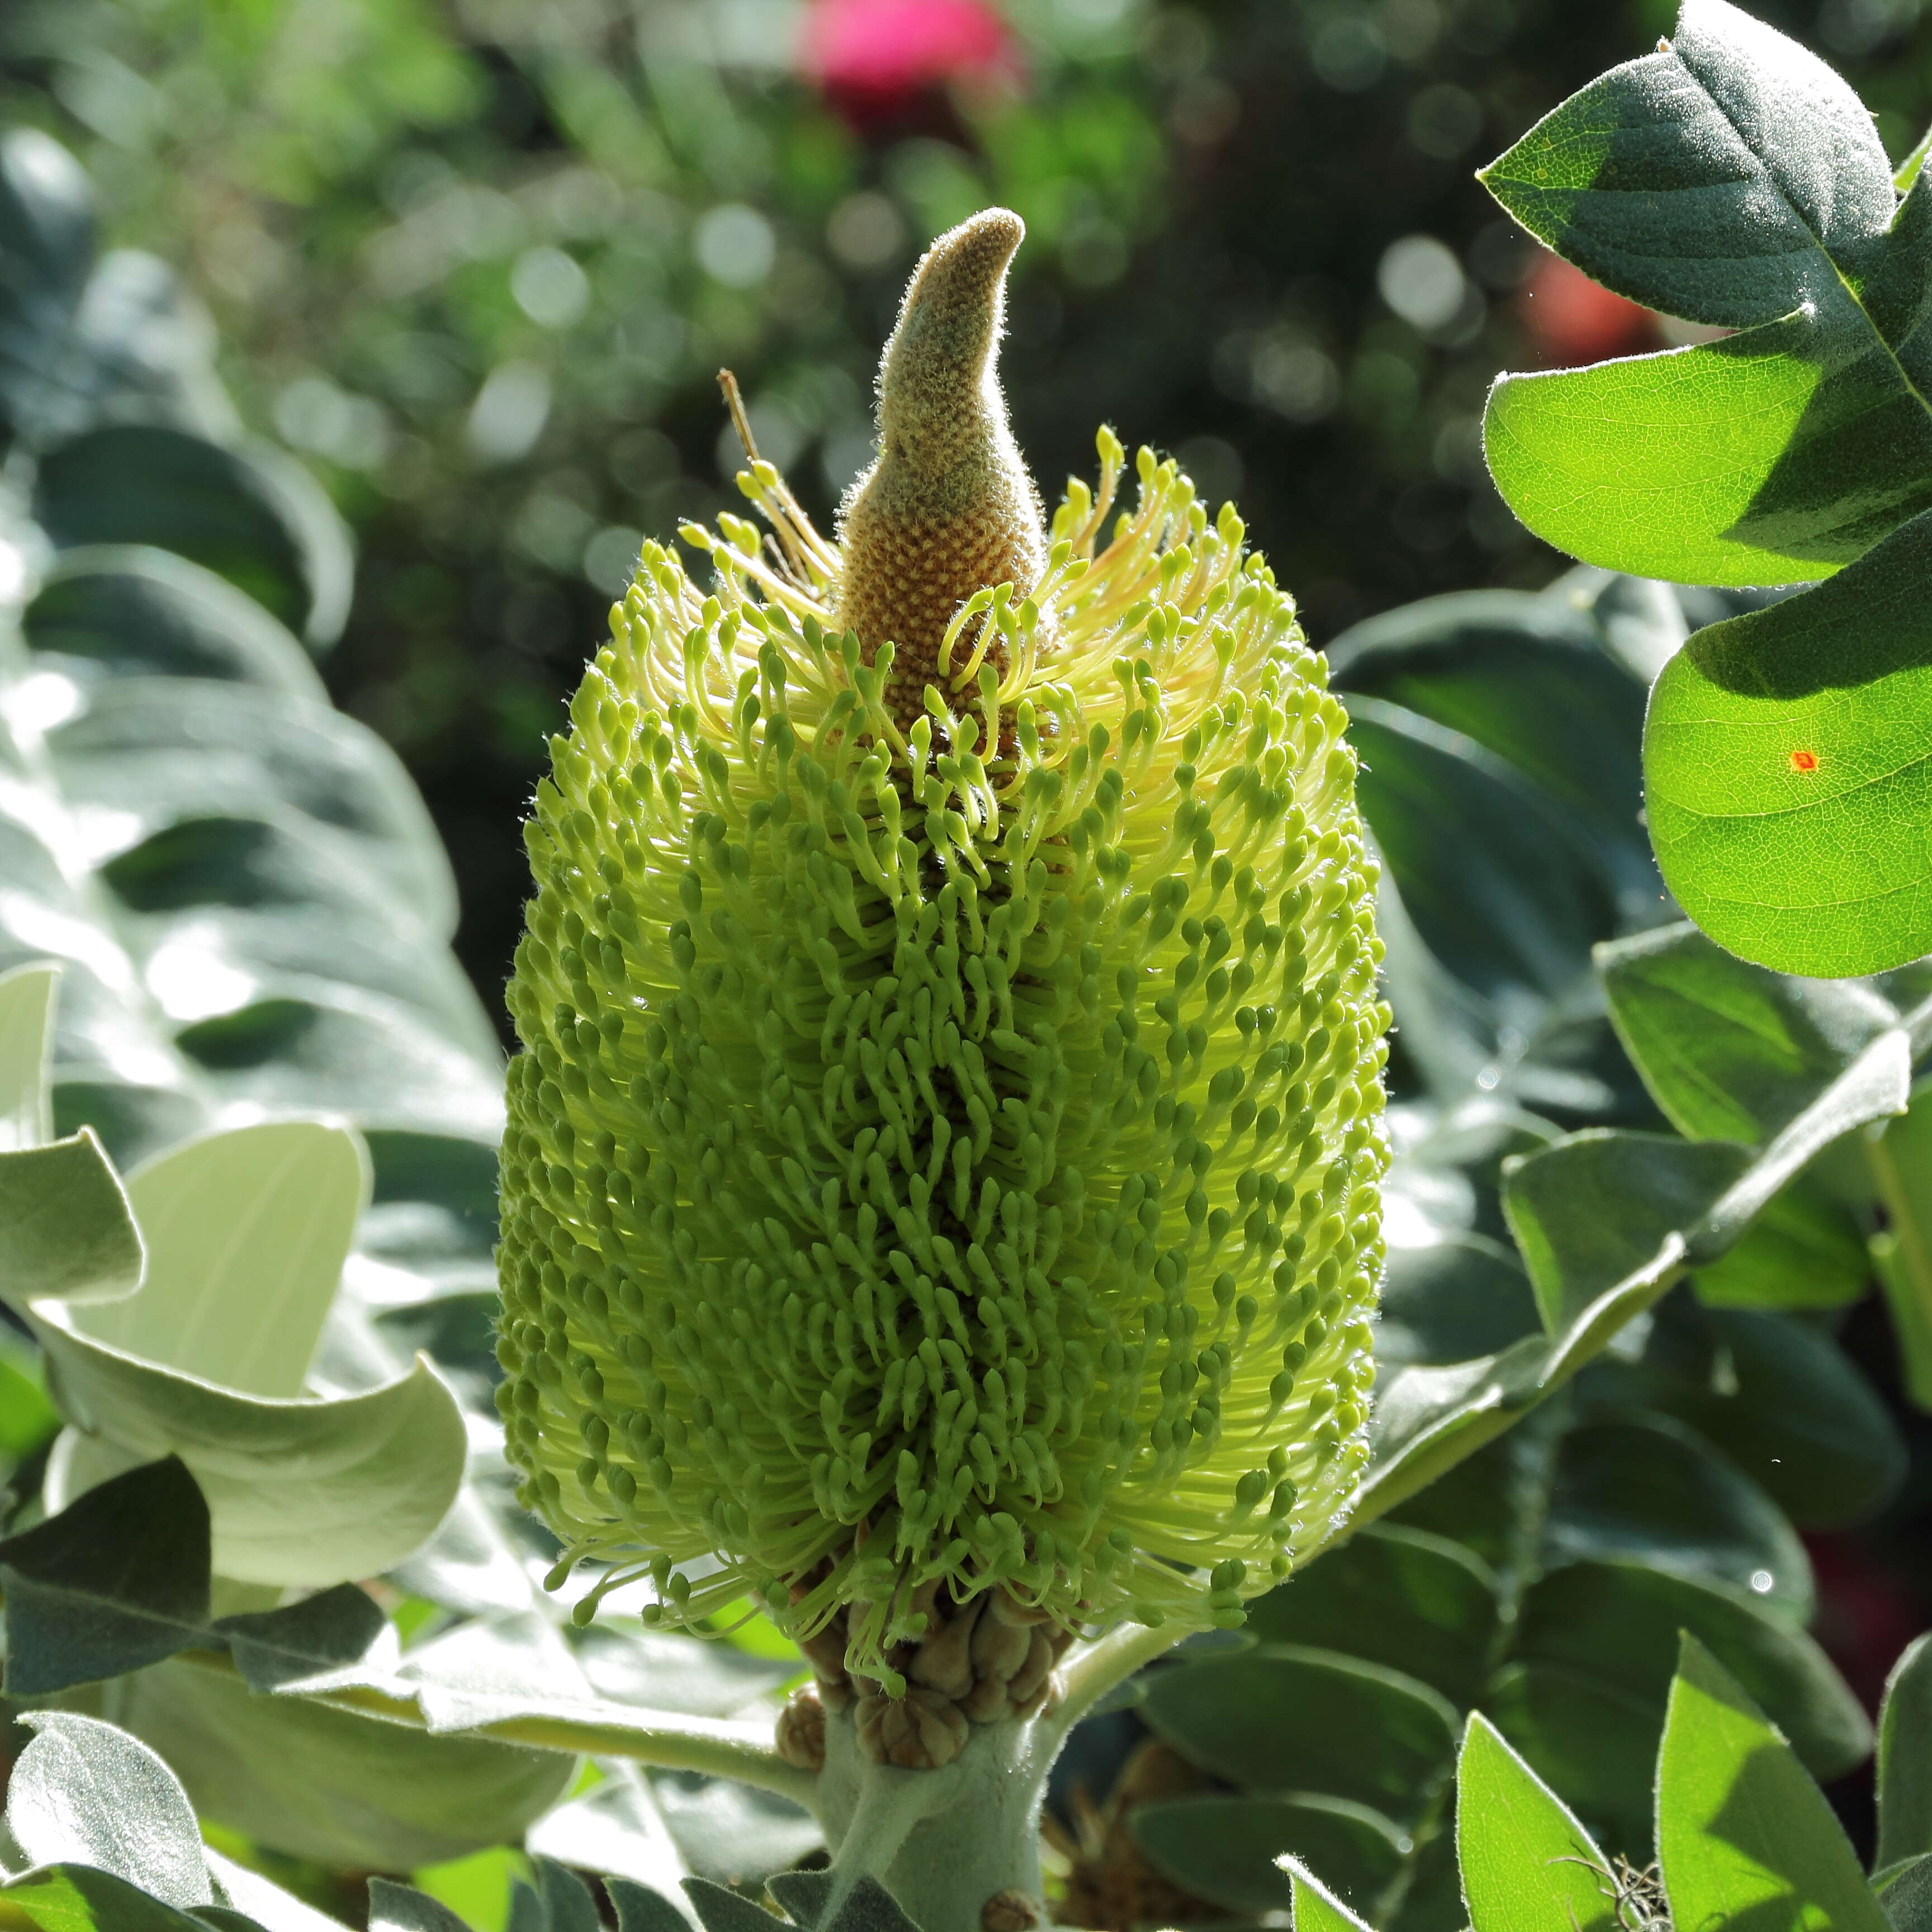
x: 1646, y: 1488
x: 1283, y: 1717
x: 1784, y: 750
x: 1395, y: 1596
x: 83, y: 1792
x: 1905, y: 1759
x: 1521, y: 674
x: 246, y: 1233
x: 1729, y: 1050
x: 1230, y: 1851
x: 1527, y: 1864
x: 1744, y: 1834
x: 1804, y: 1252
x: 1313, y: 1907
x: 1782, y: 1400
x: 1605, y: 1220
x: 1593, y: 1741
x: 1618, y: 1623
x: 1496, y: 889
x: 1604, y: 1214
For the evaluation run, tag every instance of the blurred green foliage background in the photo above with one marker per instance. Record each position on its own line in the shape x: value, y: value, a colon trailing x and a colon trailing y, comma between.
x: 478, y: 262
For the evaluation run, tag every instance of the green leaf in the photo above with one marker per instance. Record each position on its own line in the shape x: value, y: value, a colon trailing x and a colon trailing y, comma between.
x: 148, y: 754
x: 1783, y: 751
x: 246, y: 1233
x: 1906, y: 1892
x: 1497, y: 890
x: 26, y: 1028
x: 1234, y: 1852
x: 1744, y: 1834
x: 868, y: 1907
x: 47, y: 228
x: 1524, y: 677
x: 1900, y: 1162
x: 639, y: 1909
x: 1729, y: 1050
x: 1646, y: 1488
x: 331, y: 1785
x: 119, y: 1581
x: 1804, y: 1252
x: 1727, y: 177
x: 721, y: 1909
x: 1527, y: 1864
x: 1732, y: 178
x: 324, y: 1632
x: 1285, y: 1717
x: 1594, y: 1741
x: 83, y: 1792
x: 80, y: 1898
x: 1905, y: 1758
x: 401, y: 1908
x: 309, y: 1492
x: 1605, y: 1221
x: 1618, y: 1623
x: 250, y: 515
x: 1313, y: 1906
x: 1762, y: 459
x: 1393, y: 1596
x: 1604, y: 1214
x: 129, y: 611
x: 1784, y: 1402
x: 66, y: 1233
x: 567, y: 1904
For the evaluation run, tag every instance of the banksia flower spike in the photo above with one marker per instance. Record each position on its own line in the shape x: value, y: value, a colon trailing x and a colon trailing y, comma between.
x: 942, y: 1174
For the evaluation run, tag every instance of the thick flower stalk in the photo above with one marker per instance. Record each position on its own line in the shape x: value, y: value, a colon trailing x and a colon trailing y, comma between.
x: 940, y: 1190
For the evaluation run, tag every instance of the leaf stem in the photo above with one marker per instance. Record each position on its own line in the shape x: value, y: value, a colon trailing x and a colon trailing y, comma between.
x: 1096, y: 1668
x: 718, y: 1747
x: 1904, y: 1265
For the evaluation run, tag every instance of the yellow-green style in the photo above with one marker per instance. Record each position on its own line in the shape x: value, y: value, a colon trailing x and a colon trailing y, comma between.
x: 946, y: 1144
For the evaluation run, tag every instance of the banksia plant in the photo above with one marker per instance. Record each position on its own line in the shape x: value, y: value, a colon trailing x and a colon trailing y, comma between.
x: 940, y: 1190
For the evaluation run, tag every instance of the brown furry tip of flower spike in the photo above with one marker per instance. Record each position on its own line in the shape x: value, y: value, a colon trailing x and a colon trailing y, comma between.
x: 948, y: 508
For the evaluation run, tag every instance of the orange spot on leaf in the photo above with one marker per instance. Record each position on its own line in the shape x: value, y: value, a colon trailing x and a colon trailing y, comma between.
x: 1804, y: 761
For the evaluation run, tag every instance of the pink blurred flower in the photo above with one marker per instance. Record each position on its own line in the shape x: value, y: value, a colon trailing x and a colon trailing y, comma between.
x: 875, y: 57
x: 1573, y: 320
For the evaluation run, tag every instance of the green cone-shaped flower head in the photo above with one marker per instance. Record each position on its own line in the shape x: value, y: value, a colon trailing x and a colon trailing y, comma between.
x: 947, y: 1142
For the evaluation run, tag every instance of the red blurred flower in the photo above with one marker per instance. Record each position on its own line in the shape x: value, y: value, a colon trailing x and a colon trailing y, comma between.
x: 1572, y: 320
x: 876, y: 59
